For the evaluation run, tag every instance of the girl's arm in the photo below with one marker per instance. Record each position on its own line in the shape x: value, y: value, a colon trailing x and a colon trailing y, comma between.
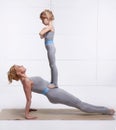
x: 45, y: 30
x: 27, y: 90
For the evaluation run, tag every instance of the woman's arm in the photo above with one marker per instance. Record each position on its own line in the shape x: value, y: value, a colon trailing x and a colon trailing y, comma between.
x: 27, y: 90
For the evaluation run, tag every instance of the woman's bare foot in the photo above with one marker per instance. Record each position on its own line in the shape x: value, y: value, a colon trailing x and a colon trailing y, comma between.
x: 111, y: 111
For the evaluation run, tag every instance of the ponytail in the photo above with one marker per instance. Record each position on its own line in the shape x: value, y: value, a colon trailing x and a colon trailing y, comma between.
x: 12, y: 75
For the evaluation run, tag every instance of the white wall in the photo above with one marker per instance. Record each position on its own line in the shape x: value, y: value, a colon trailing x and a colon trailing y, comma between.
x: 84, y: 39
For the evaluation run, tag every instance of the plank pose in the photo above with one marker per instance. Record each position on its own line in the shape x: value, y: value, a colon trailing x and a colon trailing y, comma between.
x: 55, y: 95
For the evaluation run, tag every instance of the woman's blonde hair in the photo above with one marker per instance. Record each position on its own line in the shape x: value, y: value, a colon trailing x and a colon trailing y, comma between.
x: 12, y: 75
x: 47, y: 14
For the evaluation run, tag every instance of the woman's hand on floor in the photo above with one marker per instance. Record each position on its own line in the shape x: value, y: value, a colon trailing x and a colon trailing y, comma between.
x: 30, y: 117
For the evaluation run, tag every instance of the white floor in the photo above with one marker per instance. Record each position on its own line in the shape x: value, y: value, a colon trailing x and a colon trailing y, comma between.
x: 12, y: 97
x: 58, y: 125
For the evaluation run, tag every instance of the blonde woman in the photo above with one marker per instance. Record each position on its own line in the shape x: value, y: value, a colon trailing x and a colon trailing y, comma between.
x: 55, y: 95
x: 47, y: 33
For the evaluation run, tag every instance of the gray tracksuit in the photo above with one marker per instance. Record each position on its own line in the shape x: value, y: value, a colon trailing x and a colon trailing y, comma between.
x: 49, y: 44
x: 58, y: 95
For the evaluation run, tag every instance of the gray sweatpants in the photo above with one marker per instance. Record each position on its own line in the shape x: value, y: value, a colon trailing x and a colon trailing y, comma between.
x: 51, y: 58
x: 58, y: 95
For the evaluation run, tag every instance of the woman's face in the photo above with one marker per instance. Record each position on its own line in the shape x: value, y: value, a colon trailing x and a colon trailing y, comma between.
x: 20, y: 69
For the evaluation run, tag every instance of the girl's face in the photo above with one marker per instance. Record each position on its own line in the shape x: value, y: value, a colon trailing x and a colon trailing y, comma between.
x: 20, y: 69
x: 45, y: 21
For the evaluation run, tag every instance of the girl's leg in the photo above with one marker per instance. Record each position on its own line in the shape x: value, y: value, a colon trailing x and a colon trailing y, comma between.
x: 51, y: 58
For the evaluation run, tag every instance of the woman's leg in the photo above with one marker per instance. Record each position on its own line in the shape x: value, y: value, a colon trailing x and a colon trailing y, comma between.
x: 60, y: 96
x: 51, y: 58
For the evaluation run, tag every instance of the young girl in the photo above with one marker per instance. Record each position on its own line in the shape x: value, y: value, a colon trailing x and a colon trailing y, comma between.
x: 55, y: 95
x: 47, y: 33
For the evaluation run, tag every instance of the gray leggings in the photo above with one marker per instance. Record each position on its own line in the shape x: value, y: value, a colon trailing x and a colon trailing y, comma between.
x: 58, y: 95
x: 51, y: 58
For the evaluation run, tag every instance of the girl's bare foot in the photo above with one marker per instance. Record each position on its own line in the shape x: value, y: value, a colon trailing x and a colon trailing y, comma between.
x: 51, y: 86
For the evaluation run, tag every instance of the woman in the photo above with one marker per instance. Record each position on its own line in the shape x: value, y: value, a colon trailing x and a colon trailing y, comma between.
x: 54, y: 95
x: 47, y: 33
